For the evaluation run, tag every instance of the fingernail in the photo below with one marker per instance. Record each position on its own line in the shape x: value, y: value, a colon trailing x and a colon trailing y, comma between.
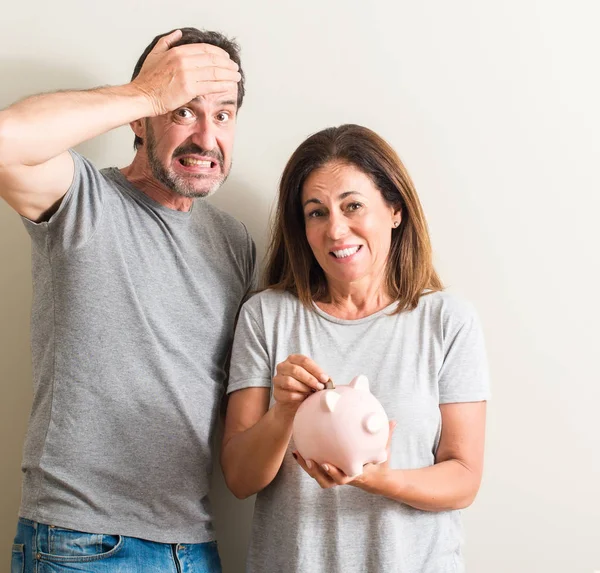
x: 320, y: 386
x: 309, y: 464
x: 325, y: 467
x: 324, y: 377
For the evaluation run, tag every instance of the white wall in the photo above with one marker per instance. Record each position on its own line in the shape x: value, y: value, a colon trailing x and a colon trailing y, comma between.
x: 494, y: 107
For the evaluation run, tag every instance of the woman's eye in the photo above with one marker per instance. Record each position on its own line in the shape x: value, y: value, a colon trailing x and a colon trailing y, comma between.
x: 354, y: 206
x: 314, y: 214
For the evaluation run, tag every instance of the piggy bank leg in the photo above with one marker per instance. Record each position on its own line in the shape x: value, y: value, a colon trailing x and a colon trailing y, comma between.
x: 354, y: 470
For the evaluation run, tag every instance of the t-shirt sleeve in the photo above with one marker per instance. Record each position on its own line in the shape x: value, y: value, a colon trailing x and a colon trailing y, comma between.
x: 464, y: 374
x: 78, y: 215
x: 250, y: 365
x: 252, y: 267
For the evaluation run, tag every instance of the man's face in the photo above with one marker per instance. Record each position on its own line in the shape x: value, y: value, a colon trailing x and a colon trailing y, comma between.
x: 189, y: 150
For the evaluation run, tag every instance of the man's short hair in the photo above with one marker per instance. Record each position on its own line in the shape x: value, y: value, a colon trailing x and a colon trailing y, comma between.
x: 195, y: 36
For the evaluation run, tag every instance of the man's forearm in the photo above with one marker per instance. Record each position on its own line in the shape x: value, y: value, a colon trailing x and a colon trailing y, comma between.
x: 41, y: 127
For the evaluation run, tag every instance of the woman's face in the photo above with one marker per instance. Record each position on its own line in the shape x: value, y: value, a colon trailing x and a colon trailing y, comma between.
x: 348, y: 223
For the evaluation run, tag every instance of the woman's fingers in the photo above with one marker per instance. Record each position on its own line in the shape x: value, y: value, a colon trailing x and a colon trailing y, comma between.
x: 314, y: 471
x: 326, y: 475
x: 335, y: 474
x: 304, y: 370
x: 296, y: 378
x: 291, y: 384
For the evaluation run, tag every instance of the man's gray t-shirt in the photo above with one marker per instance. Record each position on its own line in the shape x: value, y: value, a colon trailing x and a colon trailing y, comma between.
x: 133, y: 315
x: 415, y: 361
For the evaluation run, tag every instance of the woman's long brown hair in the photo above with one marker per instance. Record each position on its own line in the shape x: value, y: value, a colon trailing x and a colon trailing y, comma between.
x: 291, y: 265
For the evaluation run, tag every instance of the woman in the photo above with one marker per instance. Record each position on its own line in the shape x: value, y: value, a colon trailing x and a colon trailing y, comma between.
x: 352, y: 290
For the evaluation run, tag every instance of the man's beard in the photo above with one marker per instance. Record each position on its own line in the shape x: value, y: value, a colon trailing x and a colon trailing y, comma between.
x: 181, y: 185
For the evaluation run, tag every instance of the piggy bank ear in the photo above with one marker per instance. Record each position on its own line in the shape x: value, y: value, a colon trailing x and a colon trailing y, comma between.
x: 330, y: 399
x: 360, y: 382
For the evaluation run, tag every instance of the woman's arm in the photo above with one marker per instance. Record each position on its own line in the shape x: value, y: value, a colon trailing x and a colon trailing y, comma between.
x: 254, y: 442
x: 256, y: 437
x: 451, y: 483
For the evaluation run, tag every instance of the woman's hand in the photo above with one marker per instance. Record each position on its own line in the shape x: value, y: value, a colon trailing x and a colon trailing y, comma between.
x: 450, y: 483
x: 296, y: 379
x: 327, y: 475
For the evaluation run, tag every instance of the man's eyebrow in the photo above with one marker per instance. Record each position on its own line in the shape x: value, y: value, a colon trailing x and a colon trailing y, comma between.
x: 221, y: 103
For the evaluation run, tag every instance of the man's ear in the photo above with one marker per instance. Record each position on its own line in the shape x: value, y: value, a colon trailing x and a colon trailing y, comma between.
x: 139, y: 128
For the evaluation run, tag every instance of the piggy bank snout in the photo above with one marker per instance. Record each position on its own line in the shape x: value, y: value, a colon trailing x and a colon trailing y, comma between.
x: 373, y: 423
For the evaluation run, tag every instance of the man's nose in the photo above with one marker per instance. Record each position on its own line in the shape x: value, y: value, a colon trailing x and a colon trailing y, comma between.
x: 205, y: 134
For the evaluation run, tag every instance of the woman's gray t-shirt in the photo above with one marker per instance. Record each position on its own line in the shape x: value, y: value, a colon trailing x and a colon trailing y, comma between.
x: 414, y: 361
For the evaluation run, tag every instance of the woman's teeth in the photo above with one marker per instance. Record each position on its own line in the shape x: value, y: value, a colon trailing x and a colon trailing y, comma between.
x: 343, y: 253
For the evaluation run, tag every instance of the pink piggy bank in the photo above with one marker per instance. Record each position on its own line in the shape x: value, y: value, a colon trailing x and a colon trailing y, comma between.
x: 345, y: 426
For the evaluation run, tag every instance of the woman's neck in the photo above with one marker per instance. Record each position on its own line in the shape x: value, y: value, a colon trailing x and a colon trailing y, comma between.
x: 355, y: 301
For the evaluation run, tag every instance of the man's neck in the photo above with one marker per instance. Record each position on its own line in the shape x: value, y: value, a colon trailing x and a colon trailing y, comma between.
x: 140, y: 175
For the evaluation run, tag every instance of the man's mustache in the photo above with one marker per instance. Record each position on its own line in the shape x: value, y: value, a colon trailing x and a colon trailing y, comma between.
x: 193, y: 149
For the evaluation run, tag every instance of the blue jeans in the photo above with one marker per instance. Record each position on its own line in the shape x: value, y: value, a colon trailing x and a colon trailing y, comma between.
x: 40, y: 548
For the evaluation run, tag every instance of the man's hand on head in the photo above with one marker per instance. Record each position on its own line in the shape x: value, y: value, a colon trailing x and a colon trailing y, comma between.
x: 173, y: 76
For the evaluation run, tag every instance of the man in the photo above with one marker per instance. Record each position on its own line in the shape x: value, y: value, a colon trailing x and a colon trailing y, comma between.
x: 136, y: 288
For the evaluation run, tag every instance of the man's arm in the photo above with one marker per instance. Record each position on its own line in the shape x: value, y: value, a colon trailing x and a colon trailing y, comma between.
x: 36, y: 169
